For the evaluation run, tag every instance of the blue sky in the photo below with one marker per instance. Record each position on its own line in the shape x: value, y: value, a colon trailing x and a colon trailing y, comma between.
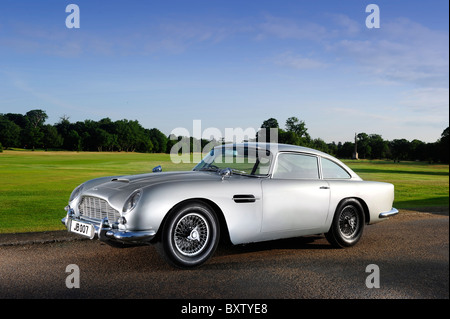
x: 232, y: 64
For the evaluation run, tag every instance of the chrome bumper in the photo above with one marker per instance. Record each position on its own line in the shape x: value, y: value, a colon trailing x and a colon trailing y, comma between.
x: 390, y: 213
x: 105, y: 231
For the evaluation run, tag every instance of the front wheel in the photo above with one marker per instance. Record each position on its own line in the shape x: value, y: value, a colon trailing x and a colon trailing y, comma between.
x: 348, y: 224
x: 190, y: 235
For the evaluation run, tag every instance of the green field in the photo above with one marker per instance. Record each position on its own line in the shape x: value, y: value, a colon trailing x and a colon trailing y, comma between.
x: 418, y: 186
x: 35, y: 186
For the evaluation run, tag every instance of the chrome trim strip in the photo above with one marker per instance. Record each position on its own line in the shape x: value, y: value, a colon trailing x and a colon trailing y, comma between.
x: 390, y: 213
x: 130, y: 236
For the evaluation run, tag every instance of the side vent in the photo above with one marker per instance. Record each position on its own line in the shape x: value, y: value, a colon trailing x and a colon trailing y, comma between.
x: 244, y: 198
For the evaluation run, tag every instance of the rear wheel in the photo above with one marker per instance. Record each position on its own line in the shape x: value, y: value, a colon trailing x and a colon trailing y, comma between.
x: 348, y: 224
x: 190, y: 235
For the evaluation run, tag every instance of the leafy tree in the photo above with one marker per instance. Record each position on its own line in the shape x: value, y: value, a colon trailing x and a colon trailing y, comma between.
x: 379, y: 147
x: 332, y: 148
x: 288, y: 137
x: 158, y: 139
x: 319, y: 145
x: 295, y: 134
x: 400, y: 149
x: 270, y: 123
x: 18, y: 119
x: 417, y: 150
x: 63, y: 127
x: 109, y: 138
x: 9, y: 133
x: 294, y: 125
x: 36, y: 118
x: 444, y: 146
x: 73, y: 141
x: 32, y: 136
x: 363, y: 145
x: 51, y: 138
x: 346, y: 150
x: 264, y: 133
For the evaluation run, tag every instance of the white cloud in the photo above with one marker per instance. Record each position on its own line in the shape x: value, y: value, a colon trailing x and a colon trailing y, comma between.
x: 178, y: 37
x: 402, y: 51
x: 299, y: 62
x: 391, y: 123
x: 164, y: 36
x: 285, y: 28
x: 346, y: 26
x: 428, y: 100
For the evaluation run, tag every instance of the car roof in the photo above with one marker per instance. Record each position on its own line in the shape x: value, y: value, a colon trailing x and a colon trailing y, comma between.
x: 277, y: 148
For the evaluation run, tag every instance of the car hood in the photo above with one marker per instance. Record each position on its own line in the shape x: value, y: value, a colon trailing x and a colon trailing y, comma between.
x: 133, y: 182
x: 117, y: 189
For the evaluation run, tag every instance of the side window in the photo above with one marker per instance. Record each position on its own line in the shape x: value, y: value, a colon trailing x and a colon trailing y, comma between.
x: 331, y: 170
x: 296, y: 166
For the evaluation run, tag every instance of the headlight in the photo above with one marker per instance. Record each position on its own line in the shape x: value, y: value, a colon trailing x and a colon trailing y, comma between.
x: 76, y: 192
x: 132, y: 201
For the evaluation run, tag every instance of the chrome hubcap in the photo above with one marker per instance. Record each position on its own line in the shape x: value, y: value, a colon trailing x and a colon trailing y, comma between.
x: 194, y: 235
x: 191, y: 234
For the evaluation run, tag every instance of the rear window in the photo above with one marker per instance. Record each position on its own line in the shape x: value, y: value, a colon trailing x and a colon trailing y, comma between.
x: 331, y: 170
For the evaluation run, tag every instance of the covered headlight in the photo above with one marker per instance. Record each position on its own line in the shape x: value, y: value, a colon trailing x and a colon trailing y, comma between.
x: 132, y: 201
x: 76, y: 192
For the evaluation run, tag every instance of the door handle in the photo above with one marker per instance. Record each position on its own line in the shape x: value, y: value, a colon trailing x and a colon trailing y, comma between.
x: 324, y: 187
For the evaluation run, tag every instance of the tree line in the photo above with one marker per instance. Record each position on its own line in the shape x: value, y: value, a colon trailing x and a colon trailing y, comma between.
x: 29, y: 131
x: 369, y: 146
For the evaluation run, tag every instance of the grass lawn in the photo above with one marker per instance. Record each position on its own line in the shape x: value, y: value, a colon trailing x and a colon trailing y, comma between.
x: 35, y: 186
x: 418, y: 186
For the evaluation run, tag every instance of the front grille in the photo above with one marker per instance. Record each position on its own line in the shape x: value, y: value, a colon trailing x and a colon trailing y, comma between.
x: 97, y: 208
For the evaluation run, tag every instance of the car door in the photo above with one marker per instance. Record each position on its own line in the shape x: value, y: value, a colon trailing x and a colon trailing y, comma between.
x: 295, y: 198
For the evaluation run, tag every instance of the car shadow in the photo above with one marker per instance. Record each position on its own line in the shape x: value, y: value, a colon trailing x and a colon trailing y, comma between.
x: 315, y: 242
x: 146, y: 258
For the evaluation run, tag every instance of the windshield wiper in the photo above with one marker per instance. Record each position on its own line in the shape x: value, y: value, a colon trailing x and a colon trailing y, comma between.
x: 209, y: 168
x: 213, y: 168
x: 236, y: 171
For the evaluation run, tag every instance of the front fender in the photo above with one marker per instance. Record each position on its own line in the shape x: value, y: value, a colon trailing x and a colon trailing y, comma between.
x: 243, y: 219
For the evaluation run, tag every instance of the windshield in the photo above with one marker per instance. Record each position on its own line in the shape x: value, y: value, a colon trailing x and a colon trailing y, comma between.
x: 241, y: 160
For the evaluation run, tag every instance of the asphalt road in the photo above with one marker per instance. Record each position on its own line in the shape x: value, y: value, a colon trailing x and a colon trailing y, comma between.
x: 410, y: 251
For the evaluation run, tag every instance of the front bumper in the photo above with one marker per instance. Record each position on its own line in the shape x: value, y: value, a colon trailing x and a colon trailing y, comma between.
x: 105, y: 231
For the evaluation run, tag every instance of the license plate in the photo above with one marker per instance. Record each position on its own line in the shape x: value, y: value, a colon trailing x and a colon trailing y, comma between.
x: 82, y: 229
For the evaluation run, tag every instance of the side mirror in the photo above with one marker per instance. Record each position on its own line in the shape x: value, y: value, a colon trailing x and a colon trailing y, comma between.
x: 226, y: 172
x: 157, y: 169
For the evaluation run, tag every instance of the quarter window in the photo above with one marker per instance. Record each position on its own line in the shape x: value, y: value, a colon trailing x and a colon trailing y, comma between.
x: 296, y: 166
x: 331, y: 170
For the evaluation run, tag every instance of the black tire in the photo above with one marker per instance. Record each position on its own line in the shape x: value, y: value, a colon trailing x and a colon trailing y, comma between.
x: 348, y: 224
x: 189, y: 236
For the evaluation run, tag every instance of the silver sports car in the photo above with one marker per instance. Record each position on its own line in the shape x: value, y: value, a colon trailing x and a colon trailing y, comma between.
x: 240, y: 192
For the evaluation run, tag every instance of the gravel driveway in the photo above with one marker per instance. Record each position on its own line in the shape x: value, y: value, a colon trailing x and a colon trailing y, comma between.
x: 408, y: 254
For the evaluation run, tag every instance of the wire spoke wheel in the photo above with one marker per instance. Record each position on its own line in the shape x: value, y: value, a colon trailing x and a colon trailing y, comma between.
x: 191, y: 234
x: 348, y: 222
